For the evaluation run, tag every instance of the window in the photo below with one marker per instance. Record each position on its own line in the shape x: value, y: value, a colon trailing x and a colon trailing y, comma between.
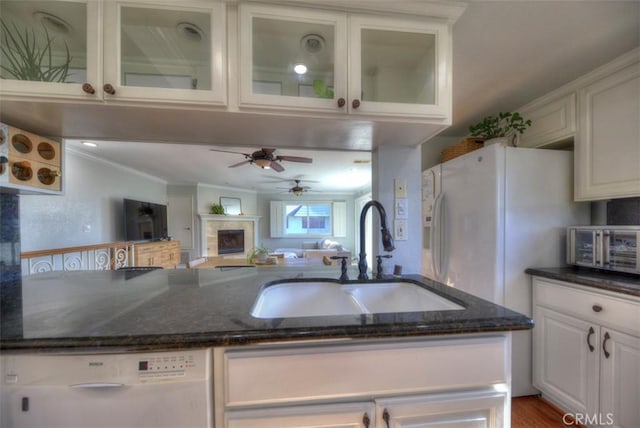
x: 307, y: 219
x: 290, y: 219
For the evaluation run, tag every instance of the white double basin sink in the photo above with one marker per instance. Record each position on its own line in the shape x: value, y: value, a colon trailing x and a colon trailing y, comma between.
x: 315, y: 298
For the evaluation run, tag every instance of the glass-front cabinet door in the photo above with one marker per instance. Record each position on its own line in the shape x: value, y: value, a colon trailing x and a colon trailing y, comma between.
x: 292, y: 57
x: 169, y: 51
x: 49, y: 48
x: 399, y: 67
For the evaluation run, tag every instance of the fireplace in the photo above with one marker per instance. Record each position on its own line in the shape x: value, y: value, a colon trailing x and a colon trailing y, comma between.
x: 230, y: 241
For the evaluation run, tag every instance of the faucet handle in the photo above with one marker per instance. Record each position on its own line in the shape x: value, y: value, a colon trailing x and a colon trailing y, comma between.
x: 379, y: 265
x: 343, y: 267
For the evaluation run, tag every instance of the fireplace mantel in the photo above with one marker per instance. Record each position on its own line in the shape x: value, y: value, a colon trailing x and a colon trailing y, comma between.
x: 211, y: 223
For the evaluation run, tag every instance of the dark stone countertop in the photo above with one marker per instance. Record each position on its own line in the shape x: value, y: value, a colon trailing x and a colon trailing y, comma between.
x: 112, y: 310
x: 628, y: 284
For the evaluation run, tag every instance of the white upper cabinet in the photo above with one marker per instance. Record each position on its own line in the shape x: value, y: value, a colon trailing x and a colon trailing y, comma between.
x: 553, y: 121
x: 50, y: 48
x: 607, y: 146
x: 165, y: 51
x: 399, y: 67
x: 117, y: 50
x: 320, y: 61
x: 290, y: 57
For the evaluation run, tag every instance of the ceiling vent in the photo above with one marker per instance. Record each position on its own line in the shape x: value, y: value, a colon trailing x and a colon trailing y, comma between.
x: 312, y: 43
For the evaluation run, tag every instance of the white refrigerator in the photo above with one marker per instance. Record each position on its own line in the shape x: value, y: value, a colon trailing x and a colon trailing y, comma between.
x: 490, y: 214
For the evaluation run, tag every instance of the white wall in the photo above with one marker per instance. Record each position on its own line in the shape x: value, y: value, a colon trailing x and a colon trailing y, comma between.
x: 90, y: 211
x: 432, y: 150
x: 209, y: 194
x: 404, y: 163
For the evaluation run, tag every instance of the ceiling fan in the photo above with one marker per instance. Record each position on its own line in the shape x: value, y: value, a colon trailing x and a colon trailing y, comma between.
x: 298, y: 189
x: 265, y: 159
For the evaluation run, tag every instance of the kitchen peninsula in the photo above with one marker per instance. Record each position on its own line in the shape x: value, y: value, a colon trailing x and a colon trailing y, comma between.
x: 430, y: 356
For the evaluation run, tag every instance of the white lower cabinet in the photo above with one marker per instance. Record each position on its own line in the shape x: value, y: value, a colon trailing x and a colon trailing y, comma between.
x: 456, y: 410
x: 587, y: 352
x: 350, y: 415
x: 457, y: 382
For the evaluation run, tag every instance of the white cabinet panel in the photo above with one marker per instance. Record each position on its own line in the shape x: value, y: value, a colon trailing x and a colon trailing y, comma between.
x: 566, y: 359
x: 298, y: 374
x: 353, y: 415
x: 551, y: 121
x: 620, y: 380
x: 481, y: 409
x: 607, y: 146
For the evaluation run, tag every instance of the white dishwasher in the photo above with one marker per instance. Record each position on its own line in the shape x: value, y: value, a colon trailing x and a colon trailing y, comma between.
x: 130, y: 390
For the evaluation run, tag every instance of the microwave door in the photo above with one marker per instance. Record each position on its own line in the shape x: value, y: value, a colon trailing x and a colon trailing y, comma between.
x: 621, y: 250
x: 584, y: 247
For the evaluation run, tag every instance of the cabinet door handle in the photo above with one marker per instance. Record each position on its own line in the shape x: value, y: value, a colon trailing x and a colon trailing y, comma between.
x: 88, y: 89
x: 604, y: 344
x: 109, y: 89
x: 365, y: 420
x: 596, y: 308
x: 386, y: 417
x: 355, y: 103
x: 341, y: 102
x: 591, y: 333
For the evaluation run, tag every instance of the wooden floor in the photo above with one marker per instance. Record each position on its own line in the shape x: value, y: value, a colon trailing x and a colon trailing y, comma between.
x: 535, y: 412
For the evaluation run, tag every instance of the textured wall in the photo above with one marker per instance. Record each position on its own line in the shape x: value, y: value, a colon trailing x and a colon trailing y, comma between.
x: 90, y: 211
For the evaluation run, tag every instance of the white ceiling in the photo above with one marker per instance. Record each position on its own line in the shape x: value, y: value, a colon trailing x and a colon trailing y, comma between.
x: 180, y: 164
x: 505, y: 54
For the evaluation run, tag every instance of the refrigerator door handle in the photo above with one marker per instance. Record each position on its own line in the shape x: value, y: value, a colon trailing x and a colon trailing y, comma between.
x: 436, y: 238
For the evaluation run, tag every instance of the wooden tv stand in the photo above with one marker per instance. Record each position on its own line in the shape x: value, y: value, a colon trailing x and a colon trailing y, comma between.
x: 165, y: 254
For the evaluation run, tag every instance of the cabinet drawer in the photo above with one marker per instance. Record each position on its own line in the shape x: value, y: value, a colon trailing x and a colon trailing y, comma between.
x: 285, y: 374
x: 589, y: 305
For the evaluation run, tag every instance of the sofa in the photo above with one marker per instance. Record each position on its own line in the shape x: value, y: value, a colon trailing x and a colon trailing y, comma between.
x: 316, y: 249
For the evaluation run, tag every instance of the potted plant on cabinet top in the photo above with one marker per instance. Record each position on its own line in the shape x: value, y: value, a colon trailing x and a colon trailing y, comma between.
x: 502, y: 128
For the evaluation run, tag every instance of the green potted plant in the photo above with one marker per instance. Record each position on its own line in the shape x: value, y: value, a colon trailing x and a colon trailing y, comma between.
x: 504, y: 125
x: 27, y: 59
x: 258, y: 254
x: 217, y: 209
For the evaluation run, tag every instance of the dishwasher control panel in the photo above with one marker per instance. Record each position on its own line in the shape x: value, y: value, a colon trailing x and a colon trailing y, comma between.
x: 166, y: 365
x: 132, y: 368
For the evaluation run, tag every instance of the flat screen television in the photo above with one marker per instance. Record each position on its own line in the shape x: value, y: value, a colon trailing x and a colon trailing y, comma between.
x: 144, y: 221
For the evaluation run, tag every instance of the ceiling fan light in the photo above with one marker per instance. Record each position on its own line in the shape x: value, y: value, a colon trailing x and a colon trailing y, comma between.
x: 263, y: 163
x: 297, y: 192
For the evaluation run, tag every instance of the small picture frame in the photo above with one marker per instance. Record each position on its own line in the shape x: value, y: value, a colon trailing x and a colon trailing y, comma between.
x: 400, y: 230
x: 232, y: 206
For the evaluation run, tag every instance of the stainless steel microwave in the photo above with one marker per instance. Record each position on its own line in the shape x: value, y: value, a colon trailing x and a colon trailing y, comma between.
x: 604, y: 247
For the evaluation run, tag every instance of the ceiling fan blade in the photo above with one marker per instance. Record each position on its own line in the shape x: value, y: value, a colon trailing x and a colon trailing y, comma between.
x: 240, y: 163
x: 229, y: 151
x: 276, y: 166
x: 294, y: 159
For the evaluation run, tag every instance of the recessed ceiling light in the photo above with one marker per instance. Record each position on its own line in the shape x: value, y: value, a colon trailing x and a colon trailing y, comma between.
x: 300, y: 68
x: 89, y: 144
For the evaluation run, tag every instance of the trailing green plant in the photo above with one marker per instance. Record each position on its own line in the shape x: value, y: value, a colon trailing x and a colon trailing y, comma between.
x: 504, y: 124
x: 217, y: 209
x: 257, y: 253
x: 321, y: 90
x: 23, y: 59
